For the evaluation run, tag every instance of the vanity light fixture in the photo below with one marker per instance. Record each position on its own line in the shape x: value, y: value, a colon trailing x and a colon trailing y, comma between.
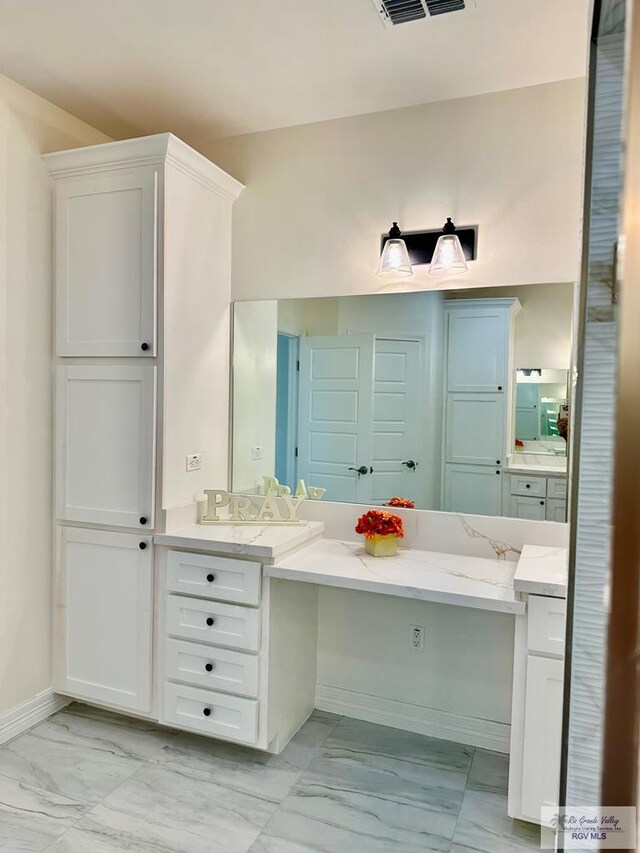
x: 394, y: 260
x: 445, y: 250
x: 448, y: 255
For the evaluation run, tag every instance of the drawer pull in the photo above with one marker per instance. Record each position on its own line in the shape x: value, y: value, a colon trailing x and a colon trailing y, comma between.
x: 210, y: 620
x: 143, y: 519
x: 142, y: 546
x: 206, y: 712
x: 209, y: 667
x: 144, y: 346
x: 541, y: 503
x: 211, y: 578
x: 528, y: 486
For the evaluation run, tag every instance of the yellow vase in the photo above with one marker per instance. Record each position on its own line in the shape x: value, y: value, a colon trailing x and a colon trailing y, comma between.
x: 381, y: 546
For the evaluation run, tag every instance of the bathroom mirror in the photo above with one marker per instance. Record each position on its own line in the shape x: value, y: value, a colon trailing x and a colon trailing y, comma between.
x: 541, y: 411
x: 413, y: 395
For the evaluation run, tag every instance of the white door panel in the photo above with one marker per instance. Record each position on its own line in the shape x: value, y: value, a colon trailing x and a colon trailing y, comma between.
x: 477, y: 349
x: 105, y: 435
x: 475, y: 429
x: 106, y: 264
x: 472, y: 489
x: 336, y: 411
x: 398, y: 422
x: 542, y: 735
x: 103, y: 617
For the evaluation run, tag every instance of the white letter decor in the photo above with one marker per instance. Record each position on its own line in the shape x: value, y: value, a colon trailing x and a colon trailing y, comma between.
x: 252, y: 509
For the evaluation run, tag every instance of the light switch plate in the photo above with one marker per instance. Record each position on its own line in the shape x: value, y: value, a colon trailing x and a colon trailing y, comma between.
x: 256, y: 453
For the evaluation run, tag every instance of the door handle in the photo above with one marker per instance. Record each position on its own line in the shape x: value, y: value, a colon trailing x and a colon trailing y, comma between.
x: 361, y: 471
x: 411, y: 465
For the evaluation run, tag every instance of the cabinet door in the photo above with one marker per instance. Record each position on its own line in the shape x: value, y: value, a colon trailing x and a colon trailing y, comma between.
x: 105, y: 264
x: 105, y: 444
x: 472, y: 489
x: 477, y: 349
x: 103, y: 617
x: 542, y: 735
x: 475, y: 429
x: 556, y: 510
x: 532, y: 508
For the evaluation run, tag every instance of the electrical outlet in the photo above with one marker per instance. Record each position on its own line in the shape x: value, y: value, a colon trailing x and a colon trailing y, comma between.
x: 416, y: 638
x: 194, y: 462
x: 256, y: 453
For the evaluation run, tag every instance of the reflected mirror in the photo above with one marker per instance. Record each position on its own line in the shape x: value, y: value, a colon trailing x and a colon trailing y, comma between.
x: 542, y: 411
x: 420, y: 395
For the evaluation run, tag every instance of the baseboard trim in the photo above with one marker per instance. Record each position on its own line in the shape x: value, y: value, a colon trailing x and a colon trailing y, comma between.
x: 486, y: 734
x: 23, y: 717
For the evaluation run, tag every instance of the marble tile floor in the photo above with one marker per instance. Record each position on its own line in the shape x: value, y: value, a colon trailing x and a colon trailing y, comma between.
x: 86, y: 781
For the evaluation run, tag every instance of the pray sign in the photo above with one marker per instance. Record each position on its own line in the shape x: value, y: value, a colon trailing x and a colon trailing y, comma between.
x: 242, y: 510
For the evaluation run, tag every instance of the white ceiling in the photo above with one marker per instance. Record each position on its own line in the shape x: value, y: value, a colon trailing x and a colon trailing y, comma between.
x: 212, y: 68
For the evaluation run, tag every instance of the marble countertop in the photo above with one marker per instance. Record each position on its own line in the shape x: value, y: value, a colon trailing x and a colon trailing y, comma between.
x: 542, y: 570
x: 477, y: 582
x: 266, y: 542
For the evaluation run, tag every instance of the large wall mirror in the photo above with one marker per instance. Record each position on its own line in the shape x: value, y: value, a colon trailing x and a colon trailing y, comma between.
x: 454, y: 400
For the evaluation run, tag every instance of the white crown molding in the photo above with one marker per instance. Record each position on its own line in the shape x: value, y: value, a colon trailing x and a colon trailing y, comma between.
x: 23, y: 717
x: 474, y: 731
x: 160, y: 149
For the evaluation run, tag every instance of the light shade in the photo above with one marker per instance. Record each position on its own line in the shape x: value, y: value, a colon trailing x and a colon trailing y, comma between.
x: 394, y: 260
x: 448, y: 255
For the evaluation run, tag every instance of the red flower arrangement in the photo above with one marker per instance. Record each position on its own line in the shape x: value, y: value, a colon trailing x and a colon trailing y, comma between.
x: 379, y: 522
x: 402, y: 503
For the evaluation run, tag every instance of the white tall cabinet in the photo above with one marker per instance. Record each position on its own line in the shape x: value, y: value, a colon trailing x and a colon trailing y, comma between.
x: 142, y: 255
x: 478, y: 357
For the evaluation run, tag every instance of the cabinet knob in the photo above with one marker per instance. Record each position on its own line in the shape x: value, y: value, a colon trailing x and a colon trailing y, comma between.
x: 142, y: 545
x: 541, y: 503
x: 528, y: 486
x: 206, y: 712
x: 498, y: 462
x: 209, y: 667
x: 144, y: 347
x: 499, y: 387
x: 211, y: 578
x: 497, y: 472
x: 210, y: 621
x: 143, y: 519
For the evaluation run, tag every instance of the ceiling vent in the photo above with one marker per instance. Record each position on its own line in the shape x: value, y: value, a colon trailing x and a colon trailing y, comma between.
x: 393, y: 12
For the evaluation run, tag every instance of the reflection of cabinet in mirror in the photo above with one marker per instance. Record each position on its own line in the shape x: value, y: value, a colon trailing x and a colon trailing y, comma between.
x: 478, y: 347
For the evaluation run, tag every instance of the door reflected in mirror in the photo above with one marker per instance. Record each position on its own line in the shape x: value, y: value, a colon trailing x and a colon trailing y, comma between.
x: 411, y: 395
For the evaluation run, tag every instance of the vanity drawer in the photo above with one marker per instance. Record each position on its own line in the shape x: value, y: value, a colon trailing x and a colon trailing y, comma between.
x: 545, y: 625
x: 213, y: 622
x: 213, y: 577
x: 535, y: 487
x: 557, y: 487
x: 215, y: 669
x: 211, y: 713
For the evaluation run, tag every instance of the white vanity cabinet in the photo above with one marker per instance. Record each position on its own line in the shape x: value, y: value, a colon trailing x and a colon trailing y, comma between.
x: 237, y: 651
x: 105, y: 262
x: 536, y: 497
x: 478, y: 356
x: 536, y: 728
x: 103, y: 617
x: 142, y: 249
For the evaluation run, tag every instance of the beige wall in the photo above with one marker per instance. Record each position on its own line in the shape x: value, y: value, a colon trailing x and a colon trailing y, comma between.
x: 319, y: 196
x: 29, y: 126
